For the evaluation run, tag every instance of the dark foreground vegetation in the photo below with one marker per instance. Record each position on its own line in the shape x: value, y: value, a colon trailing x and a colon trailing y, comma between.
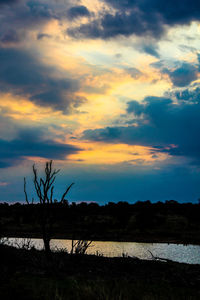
x: 142, y: 221
x: 29, y: 275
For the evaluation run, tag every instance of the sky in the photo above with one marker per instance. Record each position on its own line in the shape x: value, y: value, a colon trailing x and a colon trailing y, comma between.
x: 107, y: 89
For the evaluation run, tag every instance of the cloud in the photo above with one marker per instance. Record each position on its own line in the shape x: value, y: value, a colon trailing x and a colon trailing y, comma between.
x: 10, y: 36
x: 32, y: 143
x: 135, y: 107
x: 181, y: 12
x: 151, y: 50
x: 18, y: 20
x: 41, y: 10
x: 9, y: 128
x: 41, y: 36
x: 24, y: 16
x: 110, y: 26
x: 167, y: 127
x: 78, y: 11
x: 134, y: 72
x: 198, y: 57
x: 183, y: 75
x: 22, y: 73
x: 186, y: 95
x: 4, y: 183
x: 141, y: 18
x: 8, y: 2
x: 19, y: 141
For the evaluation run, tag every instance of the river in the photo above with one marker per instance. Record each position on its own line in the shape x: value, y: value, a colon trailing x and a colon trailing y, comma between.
x: 177, y: 252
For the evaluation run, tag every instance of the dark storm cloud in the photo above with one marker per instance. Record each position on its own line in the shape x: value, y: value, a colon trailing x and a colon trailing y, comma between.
x: 78, y: 11
x: 41, y: 10
x: 110, y: 26
x: 172, y: 12
x: 21, y: 73
x: 29, y: 143
x: 8, y: 2
x: 172, y: 127
x: 135, y: 107
x: 11, y: 36
x: 26, y: 14
x: 23, y: 16
x: 183, y: 75
x: 198, y: 57
x: 186, y: 95
x: 139, y: 17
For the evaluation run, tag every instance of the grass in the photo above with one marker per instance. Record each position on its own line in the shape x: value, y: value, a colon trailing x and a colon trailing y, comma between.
x: 28, y: 275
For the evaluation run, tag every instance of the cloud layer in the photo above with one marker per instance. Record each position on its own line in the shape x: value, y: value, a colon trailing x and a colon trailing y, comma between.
x: 32, y: 143
x: 159, y: 123
x: 142, y: 18
x: 58, y: 83
x: 23, y: 74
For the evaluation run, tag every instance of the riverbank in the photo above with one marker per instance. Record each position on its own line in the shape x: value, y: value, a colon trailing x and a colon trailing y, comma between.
x: 143, y: 238
x: 28, y: 275
x: 189, y: 254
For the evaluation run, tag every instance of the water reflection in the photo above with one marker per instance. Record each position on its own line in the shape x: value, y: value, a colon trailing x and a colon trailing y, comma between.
x: 180, y: 253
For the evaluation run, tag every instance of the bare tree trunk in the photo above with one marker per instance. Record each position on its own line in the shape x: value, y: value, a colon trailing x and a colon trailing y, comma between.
x: 45, y: 229
x: 47, y: 246
x: 44, y: 188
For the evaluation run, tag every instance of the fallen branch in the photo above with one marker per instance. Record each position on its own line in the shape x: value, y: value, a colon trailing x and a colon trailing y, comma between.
x: 159, y: 258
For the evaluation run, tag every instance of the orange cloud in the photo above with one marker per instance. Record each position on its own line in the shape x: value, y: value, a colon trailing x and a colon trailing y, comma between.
x: 100, y: 153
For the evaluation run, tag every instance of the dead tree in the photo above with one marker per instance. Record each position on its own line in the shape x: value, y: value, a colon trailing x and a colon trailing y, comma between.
x: 44, y: 188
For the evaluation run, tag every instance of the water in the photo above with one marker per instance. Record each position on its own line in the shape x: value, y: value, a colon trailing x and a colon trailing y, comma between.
x: 177, y: 252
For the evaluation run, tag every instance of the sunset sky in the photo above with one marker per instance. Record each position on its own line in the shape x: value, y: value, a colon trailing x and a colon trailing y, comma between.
x: 108, y: 89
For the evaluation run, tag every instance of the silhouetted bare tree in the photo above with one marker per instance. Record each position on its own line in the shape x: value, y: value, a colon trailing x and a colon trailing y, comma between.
x: 44, y: 188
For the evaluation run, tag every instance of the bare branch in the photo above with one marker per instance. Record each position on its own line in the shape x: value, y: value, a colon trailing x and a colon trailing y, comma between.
x: 51, y: 197
x: 26, y: 196
x: 37, y: 185
x: 65, y: 193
